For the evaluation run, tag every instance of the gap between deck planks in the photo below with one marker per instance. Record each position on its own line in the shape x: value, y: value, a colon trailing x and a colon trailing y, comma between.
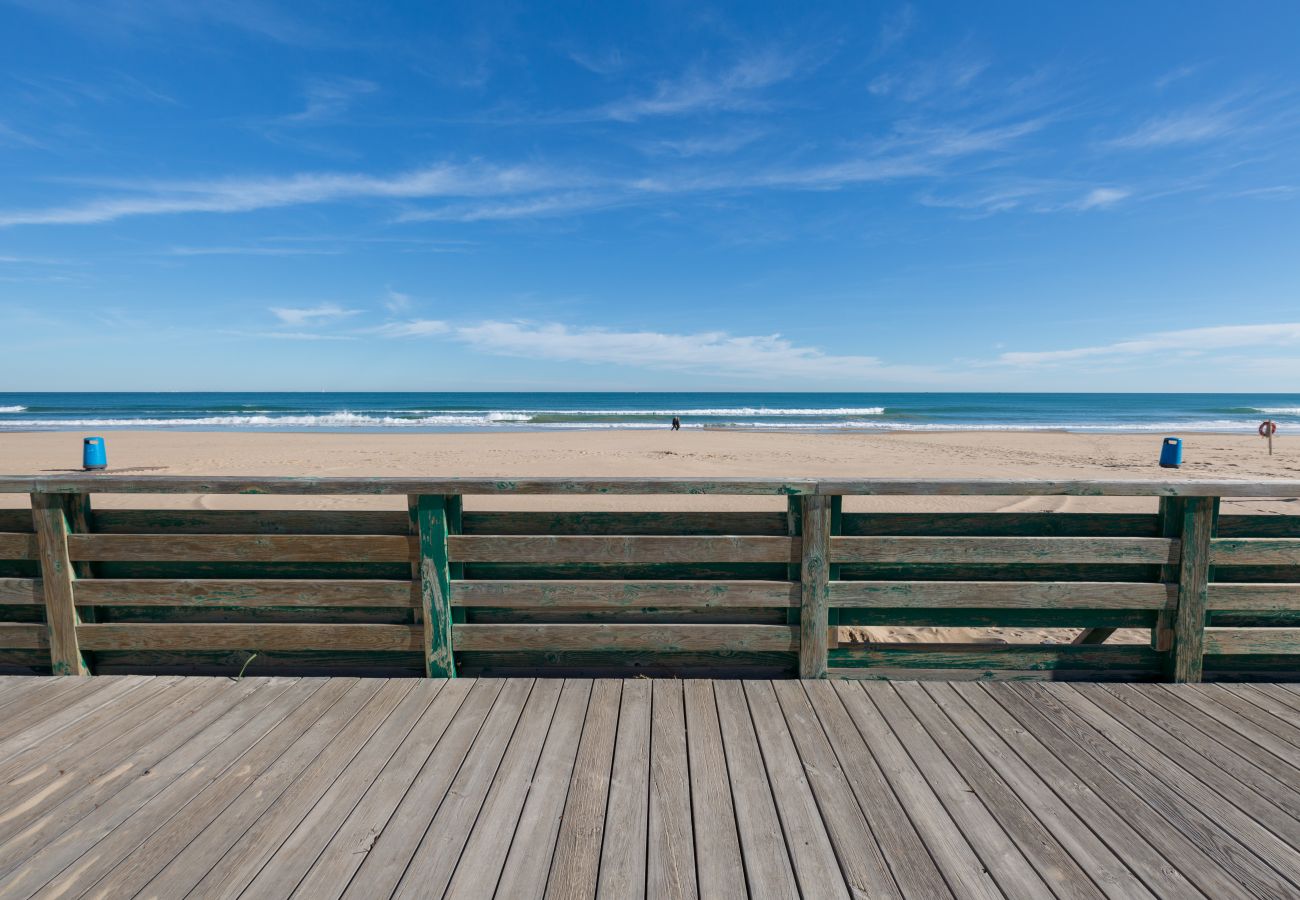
x: 537, y: 788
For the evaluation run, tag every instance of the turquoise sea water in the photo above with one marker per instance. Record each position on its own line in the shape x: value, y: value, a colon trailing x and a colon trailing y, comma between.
x: 874, y: 411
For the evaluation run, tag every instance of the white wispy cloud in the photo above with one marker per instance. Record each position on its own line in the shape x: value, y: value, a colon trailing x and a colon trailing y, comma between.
x: 119, y: 18
x: 410, y: 328
x: 943, y: 77
x: 13, y: 137
x: 896, y: 27
x: 327, y: 99
x: 252, y: 251
x: 1102, y: 197
x: 482, y: 191
x: 1191, y: 340
x: 396, y: 302
x: 533, y: 207
x: 714, y: 353
x: 705, y: 144
x: 732, y: 88
x: 229, y: 195
x: 1188, y: 127
x: 313, y: 315
x: 293, y: 335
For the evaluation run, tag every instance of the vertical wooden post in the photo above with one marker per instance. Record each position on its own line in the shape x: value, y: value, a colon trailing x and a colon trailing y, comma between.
x: 50, y: 520
x: 794, y: 528
x: 455, y: 525
x: 1193, y: 578
x: 1170, y: 522
x: 833, y: 615
x: 431, y: 577
x: 814, y: 619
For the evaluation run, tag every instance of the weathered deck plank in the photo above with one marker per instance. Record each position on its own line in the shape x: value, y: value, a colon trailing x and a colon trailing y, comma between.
x: 171, y: 787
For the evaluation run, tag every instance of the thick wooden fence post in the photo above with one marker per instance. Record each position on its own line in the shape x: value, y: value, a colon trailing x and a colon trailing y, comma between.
x: 50, y: 520
x: 1193, y: 577
x: 1170, y: 522
x: 814, y: 613
x: 432, y: 579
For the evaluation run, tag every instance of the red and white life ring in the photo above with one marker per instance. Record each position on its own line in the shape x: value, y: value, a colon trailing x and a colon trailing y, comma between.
x: 1267, y: 428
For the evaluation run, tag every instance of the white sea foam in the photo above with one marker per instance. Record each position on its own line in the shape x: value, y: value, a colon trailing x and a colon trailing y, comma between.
x: 328, y: 420
x: 1279, y: 410
x: 723, y: 411
x: 12, y: 409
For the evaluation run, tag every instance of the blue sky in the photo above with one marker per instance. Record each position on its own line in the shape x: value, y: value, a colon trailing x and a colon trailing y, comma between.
x: 934, y: 196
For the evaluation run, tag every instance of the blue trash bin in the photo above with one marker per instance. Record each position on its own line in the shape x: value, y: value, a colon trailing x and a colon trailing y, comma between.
x: 93, y: 454
x: 1171, y: 453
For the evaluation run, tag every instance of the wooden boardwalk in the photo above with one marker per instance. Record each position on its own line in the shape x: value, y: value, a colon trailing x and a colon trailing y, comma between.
x: 319, y: 788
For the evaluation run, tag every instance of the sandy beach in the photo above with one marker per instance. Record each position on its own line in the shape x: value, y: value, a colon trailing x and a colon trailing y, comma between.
x: 687, y: 453
x: 1055, y: 455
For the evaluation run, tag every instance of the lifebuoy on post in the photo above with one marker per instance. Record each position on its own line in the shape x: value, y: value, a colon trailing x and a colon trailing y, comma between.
x: 1267, y: 428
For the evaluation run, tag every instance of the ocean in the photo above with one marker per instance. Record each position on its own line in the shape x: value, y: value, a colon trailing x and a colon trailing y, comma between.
x: 500, y: 412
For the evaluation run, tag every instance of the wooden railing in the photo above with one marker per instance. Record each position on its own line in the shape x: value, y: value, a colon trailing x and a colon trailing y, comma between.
x: 438, y: 590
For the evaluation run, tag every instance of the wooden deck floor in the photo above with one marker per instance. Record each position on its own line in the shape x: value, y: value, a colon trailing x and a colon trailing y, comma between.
x: 316, y: 788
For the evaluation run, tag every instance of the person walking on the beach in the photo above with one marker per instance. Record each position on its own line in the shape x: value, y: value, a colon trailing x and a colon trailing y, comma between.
x: 677, y: 423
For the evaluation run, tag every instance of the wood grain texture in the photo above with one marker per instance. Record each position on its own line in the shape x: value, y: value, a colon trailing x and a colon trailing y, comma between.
x: 713, y: 813
x: 987, y: 551
x: 1255, y: 551
x: 1001, y: 595
x: 24, y: 637
x: 15, y: 545
x: 670, y: 839
x: 240, y: 548
x: 655, y: 638
x: 576, y: 862
x: 390, y: 485
x: 624, y: 523
x: 249, y: 521
x: 622, y: 550
x: 1253, y: 640
x: 432, y: 530
x: 251, y: 593
x: 1262, y: 597
x: 814, y: 614
x: 21, y: 591
x: 1000, y: 524
x: 1193, y: 579
x: 250, y: 637
x: 574, y: 594
x: 1083, y: 660
x: 50, y: 520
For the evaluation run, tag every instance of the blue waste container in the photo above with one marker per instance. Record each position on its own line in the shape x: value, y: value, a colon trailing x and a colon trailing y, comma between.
x: 93, y: 454
x: 1171, y: 453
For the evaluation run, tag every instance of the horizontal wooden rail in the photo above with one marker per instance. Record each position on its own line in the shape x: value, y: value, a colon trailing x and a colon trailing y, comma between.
x: 1261, y: 597
x: 254, y: 638
x: 18, y: 546
x: 1012, y: 550
x: 657, y: 638
x: 250, y: 593
x: 1251, y: 640
x: 240, y: 548
x: 605, y: 594
x: 22, y: 591
x: 24, y: 637
x: 1002, y: 595
x: 1254, y: 552
x: 438, y: 590
x: 392, y: 485
x: 621, y: 550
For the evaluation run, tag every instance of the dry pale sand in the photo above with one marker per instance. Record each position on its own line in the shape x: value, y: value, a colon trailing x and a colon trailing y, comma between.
x: 689, y: 453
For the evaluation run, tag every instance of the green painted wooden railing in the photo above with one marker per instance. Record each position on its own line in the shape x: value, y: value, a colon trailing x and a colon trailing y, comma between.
x: 439, y: 590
